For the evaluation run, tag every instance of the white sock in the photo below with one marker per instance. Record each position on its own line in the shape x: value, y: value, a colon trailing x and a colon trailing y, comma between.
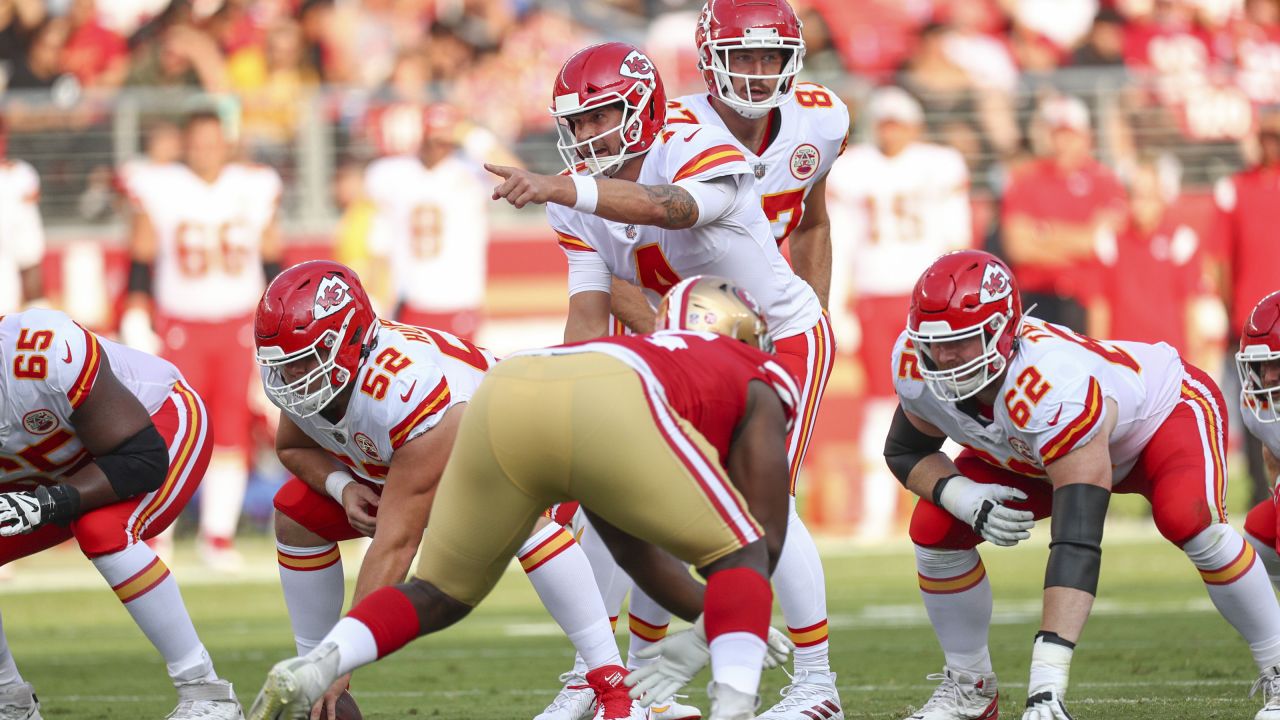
x: 1270, y: 559
x: 1239, y: 588
x: 801, y: 587
x: 312, y: 580
x: 610, y: 578
x: 222, y: 493
x: 143, y: 583
x: 957, y: 597
x: 648, y: 622
x: 8, y: 668
x: 561, y: 574
x: 736, y: 660
x: 356, y: 646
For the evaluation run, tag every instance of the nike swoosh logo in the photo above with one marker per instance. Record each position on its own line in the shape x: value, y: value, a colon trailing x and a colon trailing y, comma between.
x: 67, y: 359
x: 690, y: 135
x: 1057, y: 415
x: 409, y: 393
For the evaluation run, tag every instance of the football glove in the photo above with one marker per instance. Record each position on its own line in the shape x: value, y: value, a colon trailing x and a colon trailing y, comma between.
x: 679, y: 657
x: 983, y: 507
x: 778, y: 649
x: 20, y: 513
x: 1046, y: 705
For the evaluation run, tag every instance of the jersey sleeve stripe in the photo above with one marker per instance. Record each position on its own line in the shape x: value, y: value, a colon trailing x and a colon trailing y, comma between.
x: 1066, y: 440
x: 707, y: 159
x: 89, y: 373
x: 569, y: 242
x: 435, y: 399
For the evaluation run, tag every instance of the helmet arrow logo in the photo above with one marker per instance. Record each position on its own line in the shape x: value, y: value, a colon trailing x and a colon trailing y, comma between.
x: 332, y: 295
x: 995, y: 284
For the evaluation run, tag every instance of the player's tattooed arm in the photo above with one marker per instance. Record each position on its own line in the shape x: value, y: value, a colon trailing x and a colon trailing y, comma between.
x: 678, y: 206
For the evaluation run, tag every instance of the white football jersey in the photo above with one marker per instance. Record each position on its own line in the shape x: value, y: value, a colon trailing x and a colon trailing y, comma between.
x: 412, y: 376
x: 1267, y: 433
x: 737, y: 245
x: 209, y: 260
x: 812, y: 127
x: 431, y: 225
x: 22, y: 231
x: 1052, y: 398
x: 897, y: 214
x: 50, y: 365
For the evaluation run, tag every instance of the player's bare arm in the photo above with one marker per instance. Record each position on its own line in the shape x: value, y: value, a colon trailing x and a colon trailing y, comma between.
x: 665, y: 206
x: 811, y: 243
x: 628, y: 303
x: 272, y: 247
x: 913, y: 452
x: 406, y: 502
x: 1028, y: 241
x: 302, y: 456
x: 313, y: 465
x: 143, y: 246
x: 660, y: 574
x: 588, y: 316
x: 758, y: 464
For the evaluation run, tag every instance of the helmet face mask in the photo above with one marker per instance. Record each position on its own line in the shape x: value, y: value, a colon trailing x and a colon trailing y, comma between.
x: 970, y: 377
x: 316, y: 377
x: 715, y: 305
x: 729, y: 26
x: 1258, y: 360
x: 581, y: 154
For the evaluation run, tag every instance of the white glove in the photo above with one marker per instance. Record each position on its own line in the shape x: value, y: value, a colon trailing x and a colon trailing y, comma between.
x: 680, y: 656
x: 1046, y: 705
x: 136, y: 331
x: 778, y: 648
x: 20, y: 513
x: 982, y: 507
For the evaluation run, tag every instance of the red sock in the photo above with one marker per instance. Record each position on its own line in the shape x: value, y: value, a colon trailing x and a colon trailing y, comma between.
x: 390, y: 617
x: 737, y: 600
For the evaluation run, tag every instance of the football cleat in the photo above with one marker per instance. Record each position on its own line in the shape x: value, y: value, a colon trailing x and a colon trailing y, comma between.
x: 808, y: 697
x: 211, y: 700
x: 294, y: 685
x: 18, y: 702
x: 612, y: 699
x: 961, y: 696
x: 1046, y: 705
x: 1269, y: 683
x: 575, y: 701
x: 730, y: 704
x: 670, y: 709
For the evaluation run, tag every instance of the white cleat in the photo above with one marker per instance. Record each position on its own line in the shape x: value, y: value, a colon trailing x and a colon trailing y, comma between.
x: 728, y: 703
x: 961, y: 696
x: 575, y: 701
x: 294, y: 685
x: 1269, y: 683
x: 213, y: 700
x: 18, y: 702
x: 808, y: 697
x: 671, y: 709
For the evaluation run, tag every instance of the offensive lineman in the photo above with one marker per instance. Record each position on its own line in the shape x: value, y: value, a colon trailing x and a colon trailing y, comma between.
x: 1053, y: 423
x: 103, y: 444
x: 1258, y: 363
x: 369, y: 412
x: 678, y: 200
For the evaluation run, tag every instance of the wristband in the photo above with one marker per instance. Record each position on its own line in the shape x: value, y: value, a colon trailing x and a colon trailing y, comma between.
x: 336, y: 482
x: 938, y: 487
x: 588, y: 193
x: 59, y: 504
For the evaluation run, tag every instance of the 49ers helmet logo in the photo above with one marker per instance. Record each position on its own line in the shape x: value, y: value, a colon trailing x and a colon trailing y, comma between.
x: 636, y: 65
x: 332, y: 294
x: 995, y: 284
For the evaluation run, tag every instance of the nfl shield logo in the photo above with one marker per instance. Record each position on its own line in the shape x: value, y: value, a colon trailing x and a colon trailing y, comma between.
x: 339, y: 437
x: 759, y: 169
x: 631, y: 232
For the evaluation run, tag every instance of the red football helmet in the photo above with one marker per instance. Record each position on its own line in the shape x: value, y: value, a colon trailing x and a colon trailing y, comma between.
x: 728, y: 25
x: 312, y: 329
x: 602, y: 75
x: 964, y: 295
x: 1260, y: 348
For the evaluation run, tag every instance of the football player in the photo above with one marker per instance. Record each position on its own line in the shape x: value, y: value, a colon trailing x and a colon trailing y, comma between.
x: 206, y: 230
x: 369, y: 412
x: 1258, y: 364
x: 23, y: 246
x: 703, y: 416
x: 1052, y: 422
x: 431, y: 228
x: 651, y: 203
x: 105, y: 445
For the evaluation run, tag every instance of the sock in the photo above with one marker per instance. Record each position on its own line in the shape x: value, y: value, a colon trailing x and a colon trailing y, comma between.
x: 151, y: 596
x: 312, y: 580
x: 1239, y: 588
x: 561, y: 574
x: 957, y: 597
x: 383, y: 622
x: 610, y: 579
x: 1269, y: 557
x: 736, y: 611
x: 222, y: 494
x: 8, y: 668
x: 648, y: 622
x: 802, y: 592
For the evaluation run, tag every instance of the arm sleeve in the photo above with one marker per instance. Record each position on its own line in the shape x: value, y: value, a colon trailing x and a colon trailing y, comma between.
x: 714, y: 196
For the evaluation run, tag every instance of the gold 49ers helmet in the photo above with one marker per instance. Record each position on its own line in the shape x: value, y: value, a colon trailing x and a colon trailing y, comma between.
x: 713, y: 304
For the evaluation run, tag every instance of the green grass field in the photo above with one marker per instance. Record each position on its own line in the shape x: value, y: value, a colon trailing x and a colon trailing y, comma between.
x: 1154, y: 648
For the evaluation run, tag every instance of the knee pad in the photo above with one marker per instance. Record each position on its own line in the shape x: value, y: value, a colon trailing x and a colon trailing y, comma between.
x: 943, y: 563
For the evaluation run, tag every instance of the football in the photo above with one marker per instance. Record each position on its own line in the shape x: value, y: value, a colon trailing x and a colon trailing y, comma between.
x: 344, y: 709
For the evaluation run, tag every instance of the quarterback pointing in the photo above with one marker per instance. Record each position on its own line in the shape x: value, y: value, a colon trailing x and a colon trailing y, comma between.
x: 649, y: 203
x: 1052, y: 422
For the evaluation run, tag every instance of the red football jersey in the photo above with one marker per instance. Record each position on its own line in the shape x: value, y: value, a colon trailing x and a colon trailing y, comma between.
x: 703, y: 377
x: 1251, y: 206
x: 1153, y: 279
